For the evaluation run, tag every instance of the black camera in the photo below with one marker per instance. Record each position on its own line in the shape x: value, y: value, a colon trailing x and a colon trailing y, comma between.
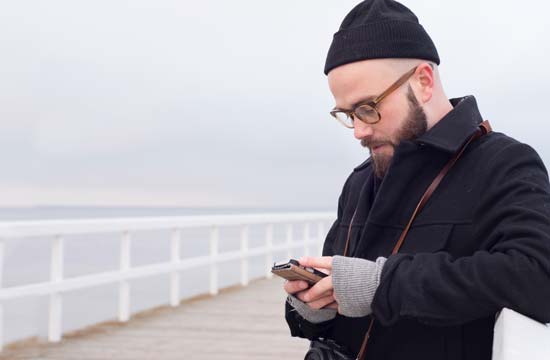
x: 327, y: 349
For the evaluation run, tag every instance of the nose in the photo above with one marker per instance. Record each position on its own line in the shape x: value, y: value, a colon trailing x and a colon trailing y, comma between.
x: 362, y: 130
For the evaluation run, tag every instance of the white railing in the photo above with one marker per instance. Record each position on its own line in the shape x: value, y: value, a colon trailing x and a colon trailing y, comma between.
x: 58, y: 229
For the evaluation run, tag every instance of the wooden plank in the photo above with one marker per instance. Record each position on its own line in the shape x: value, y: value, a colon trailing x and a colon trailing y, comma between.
x: 239, y: 323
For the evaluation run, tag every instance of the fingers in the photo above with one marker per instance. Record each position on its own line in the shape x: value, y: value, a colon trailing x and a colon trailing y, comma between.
x: 319, y: 289
x: 322, y: 302
x: 299, y: 289
x: 301, y: 296
x: 333, y: 305
x: 323, y: 262
x: 294, y: 286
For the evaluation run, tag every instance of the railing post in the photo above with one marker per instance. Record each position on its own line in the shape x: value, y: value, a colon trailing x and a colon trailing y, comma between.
x: 321, y: 236
x: 124, y: 285
x: 289, y: 231
x: 269, y: 251
x: 244, y: 255
x: 56, y: 305
x: 306, y: 239
x: 214, y: 238
x: 175, y: 275
x: 1, y: 305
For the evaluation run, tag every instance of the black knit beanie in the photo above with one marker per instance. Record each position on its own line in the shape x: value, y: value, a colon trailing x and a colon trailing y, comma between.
x: 380, y: 29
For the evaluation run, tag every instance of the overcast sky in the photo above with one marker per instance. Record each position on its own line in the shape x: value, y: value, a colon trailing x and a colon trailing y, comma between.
x: 224, y: 103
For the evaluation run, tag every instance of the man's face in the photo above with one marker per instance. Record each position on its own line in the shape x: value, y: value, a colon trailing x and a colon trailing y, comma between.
x: 402, y: 117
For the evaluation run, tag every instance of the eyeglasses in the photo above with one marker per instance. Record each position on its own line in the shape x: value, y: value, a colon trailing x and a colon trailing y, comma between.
x: 367, y: 111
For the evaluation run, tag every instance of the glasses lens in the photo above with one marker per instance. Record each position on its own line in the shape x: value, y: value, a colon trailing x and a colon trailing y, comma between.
x: 343, y: 118
x: 367, y: 114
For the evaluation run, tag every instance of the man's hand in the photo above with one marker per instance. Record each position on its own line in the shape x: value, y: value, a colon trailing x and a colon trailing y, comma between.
x: 320, y: 295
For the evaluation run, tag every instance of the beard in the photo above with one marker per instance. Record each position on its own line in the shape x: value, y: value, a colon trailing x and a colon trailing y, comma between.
x: 415, y: 125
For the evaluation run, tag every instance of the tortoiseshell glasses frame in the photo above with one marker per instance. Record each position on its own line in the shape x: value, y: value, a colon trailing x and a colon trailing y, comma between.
x: 368, y: 111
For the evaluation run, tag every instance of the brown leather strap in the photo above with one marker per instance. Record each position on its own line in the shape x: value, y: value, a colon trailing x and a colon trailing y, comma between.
x: 349, y: 231
x: 484, y: 128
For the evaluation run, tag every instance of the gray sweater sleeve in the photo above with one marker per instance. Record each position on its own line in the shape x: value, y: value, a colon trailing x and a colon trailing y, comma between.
x: 314, y: 316
x: 355, y: 281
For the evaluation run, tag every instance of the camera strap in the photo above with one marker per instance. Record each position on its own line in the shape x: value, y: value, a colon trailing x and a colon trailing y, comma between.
x: 484, y: 128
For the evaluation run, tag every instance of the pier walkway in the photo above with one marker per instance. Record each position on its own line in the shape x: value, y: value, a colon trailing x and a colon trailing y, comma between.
x: 238, y: 323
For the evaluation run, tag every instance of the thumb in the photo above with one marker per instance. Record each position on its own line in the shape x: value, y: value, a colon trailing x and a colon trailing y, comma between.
x: 323, y: 262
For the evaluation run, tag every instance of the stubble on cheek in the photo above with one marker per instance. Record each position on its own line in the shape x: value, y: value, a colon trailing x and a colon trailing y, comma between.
x: 414, y: 126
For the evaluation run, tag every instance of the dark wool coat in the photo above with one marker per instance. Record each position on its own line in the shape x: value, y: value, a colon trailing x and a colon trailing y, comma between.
x: 481, y: 243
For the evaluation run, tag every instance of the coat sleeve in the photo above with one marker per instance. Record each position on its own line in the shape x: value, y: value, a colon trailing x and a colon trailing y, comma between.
x: 298, y: 325
x: 513, y: 218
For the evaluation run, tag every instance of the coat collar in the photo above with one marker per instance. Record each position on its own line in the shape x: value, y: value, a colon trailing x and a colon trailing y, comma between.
x: 450, y: 133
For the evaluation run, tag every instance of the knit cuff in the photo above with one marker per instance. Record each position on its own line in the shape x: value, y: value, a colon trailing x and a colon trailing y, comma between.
x: 314, y: 316
x: 355, y: 281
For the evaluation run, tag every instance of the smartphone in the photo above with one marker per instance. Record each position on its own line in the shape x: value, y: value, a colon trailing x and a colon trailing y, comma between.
x: 292, y: 270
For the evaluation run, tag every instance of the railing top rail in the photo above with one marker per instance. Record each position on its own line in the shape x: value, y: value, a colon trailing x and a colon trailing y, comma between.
x: 33, y: 228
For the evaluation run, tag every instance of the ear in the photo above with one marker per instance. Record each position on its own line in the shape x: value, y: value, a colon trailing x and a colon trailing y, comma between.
x: 425, y: 81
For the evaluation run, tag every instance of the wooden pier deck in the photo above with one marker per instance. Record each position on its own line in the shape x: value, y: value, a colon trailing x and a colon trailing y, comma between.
x: 239, y: 323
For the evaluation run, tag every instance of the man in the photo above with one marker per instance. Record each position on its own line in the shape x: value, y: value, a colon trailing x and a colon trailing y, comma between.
x: 481, y: 243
